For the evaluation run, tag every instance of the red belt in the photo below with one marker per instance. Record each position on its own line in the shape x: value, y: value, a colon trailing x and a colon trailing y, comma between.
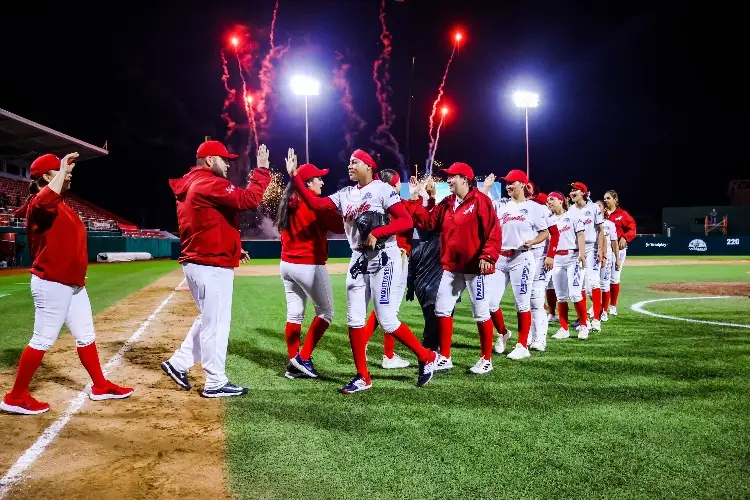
x: 565, y: 252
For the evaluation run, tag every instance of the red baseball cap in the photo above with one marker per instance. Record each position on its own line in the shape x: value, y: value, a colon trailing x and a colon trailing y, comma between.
x: 516, y: 175
x: 459, y: 168
x: 214, y: 148
x: 541, y: 198
x: 44, y: 164
x: 579, y: 185
x: 308, y: 171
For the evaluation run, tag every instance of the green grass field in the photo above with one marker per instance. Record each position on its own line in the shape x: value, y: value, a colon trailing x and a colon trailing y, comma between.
x: 647, y: 408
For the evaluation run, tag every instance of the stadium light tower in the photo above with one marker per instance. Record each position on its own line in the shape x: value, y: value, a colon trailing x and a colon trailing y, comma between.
x: 526, y: 100
x: 306, y: 86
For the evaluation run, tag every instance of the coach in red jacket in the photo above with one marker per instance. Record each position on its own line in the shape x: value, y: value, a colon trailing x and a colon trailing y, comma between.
x: 208, y: 208
x: 469, y: 247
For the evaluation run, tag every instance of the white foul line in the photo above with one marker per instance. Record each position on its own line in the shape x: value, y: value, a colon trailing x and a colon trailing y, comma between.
x: 638, y: 307
x: 32, y: 454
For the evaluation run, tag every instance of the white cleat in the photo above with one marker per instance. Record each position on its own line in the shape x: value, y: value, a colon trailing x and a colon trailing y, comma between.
x: 395, y: 362
x: 562, y: 333
x: 596, y: 325
x: 605, y: 316
x: 613, y: 310
x: 538, y: 346
x: 553, y: 319
x: 483, y: 366
x: 519, y: 352
x: 580, y: 327
x: 583, y: 334
x: 502, y: 341
x: 443, y: 363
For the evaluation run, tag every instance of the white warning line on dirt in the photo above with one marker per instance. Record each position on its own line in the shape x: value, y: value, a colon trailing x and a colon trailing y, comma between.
x: 638, y: 307
x: 32, y: 454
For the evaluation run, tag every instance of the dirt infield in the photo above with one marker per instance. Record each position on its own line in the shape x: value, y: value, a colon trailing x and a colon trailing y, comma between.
x: 679, y: 262
x: 739, y: 289
x: 273, y: 270
x: 162, y: 442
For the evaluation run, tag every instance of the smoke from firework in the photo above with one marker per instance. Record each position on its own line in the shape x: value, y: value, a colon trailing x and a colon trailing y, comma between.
x: 273, y: 22
x: 266, y: 95
x: 354, y: 122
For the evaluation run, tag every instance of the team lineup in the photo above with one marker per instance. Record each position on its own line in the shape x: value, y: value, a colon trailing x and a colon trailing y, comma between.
x: 557, y: 246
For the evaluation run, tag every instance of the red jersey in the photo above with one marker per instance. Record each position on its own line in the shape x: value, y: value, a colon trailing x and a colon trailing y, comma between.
x: 306, y: 240
x: 208, y: 208
x: 624, y: 223
x: 57, y: 240
x: 468, y: 232
x: 405, y: 240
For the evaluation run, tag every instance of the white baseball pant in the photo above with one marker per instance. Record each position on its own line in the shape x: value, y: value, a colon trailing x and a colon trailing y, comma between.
x: 302, y: 281
x: 567, y: 276
x: 542, y: 278
x: 55, y: 304
x: 616, y: 272
x: 381, y: 283
x: 606, y: 272
x: 451, y: 286
x: 207, y: 340
x: 592, y: 271
x: 519, y: 272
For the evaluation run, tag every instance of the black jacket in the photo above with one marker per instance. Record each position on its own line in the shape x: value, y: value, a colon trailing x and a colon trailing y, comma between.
x: 425, y: 270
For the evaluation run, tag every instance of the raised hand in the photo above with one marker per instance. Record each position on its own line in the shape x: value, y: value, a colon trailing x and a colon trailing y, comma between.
x: 291, y: 162
x: 489, y: 181
x: 68, y: 162
x: 430, y: 187
x: 414, y: 188
x: 263, y: 157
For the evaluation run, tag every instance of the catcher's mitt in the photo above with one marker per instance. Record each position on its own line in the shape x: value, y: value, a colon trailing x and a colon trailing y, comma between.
x: 366, y: 222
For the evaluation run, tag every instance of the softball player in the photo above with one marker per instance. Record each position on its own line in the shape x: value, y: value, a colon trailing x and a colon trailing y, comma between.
x: 208, y: 215
x: 524, y: 224
x: 570, y: 261
x: 592, y: 217
x: 392, y: 360
x: 469, y: 242
x: 613, y: 259
x: 304, y: 252
x: 626, y: 228
x: 57, y: 243
x: 375, y: 264
x: 544, y: 253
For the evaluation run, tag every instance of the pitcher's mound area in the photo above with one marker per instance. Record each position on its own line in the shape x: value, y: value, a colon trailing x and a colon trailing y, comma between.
x: 741, y: 289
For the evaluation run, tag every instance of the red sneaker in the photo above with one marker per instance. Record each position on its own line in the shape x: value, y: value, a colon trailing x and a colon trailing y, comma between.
x: 25, y: 405
x: 110, y: 391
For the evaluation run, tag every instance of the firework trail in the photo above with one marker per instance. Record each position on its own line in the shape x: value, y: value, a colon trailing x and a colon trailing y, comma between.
x: 273, y: 21
x: 381, y: 75
x: 355, y: 123
x: 434, y: 147
x: 266, y: 77
x: 246, y: 100
x: 229, y: 99
x: 253, y: 137
x: 440, y: 96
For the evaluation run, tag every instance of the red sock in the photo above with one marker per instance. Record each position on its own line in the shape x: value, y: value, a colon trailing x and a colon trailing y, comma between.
x: 563, y: 314
x: 615, y: 288
x: 605, y: 301
x: 404, y: 335
x: 581, y: 310
x: 499, y: 321
x: 445, y: 335
x: 317, y: 328
x: 371, y: 325
x: 486, y: 333
x: 389, y: 345
x: 90, y: 360
x: 358, y: 341
x: 551, y: 300
x: 292, y: 334
x: 596, y: 298
x: 30, y: 360
x: 524, y: 326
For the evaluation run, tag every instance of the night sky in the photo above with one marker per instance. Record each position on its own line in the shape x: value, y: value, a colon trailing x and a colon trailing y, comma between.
x: 646, y: 99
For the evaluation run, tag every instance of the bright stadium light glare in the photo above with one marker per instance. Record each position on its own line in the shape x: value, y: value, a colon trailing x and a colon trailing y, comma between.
x: 524, y: 99
x: 303, y: 85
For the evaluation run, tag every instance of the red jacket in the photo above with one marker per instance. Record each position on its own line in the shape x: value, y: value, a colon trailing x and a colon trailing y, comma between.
x: 208, y: 208
x: 624, y: 223
x: 57, y: 240
x: 405, y: 240
x: 468, y: 234
x: 306, y: 240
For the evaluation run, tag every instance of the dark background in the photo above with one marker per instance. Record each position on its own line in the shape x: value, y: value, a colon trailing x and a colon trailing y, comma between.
x: 648, y: 99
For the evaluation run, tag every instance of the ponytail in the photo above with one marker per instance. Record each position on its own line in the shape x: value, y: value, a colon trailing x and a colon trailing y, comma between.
x: 282, y: 213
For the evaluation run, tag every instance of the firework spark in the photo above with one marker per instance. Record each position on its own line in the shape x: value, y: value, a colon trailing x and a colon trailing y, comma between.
x: 270, y: 202
x: 273, y: 21
x: 440, y: 96
x: 355, y: 123
x: 229, y: 99
x: 437, y: 138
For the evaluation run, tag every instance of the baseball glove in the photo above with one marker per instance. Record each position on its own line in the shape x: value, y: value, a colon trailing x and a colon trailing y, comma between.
x: 366, y: 222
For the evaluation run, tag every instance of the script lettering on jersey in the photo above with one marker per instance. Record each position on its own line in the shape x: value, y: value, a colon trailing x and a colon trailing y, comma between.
x: 352, y: 213
x: 507, y: 218
x: 588, y: 221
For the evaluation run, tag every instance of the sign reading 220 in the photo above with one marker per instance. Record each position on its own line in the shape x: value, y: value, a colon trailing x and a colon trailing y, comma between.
x: 733, y: 241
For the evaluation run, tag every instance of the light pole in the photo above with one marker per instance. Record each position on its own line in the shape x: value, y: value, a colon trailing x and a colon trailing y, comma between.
x: 526, y: 100
x: 306, y: 86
